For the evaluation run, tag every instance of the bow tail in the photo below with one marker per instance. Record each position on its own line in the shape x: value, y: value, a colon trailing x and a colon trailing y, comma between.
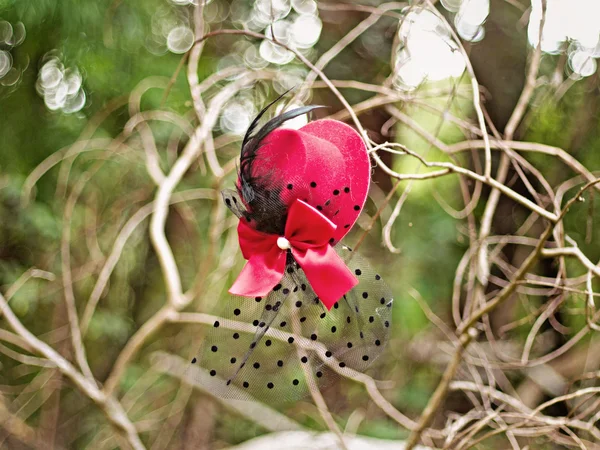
x: 327, y: 273
x: 260, y: 274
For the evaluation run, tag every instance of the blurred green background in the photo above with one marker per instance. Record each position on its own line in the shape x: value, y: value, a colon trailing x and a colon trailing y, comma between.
x: 69, y: 62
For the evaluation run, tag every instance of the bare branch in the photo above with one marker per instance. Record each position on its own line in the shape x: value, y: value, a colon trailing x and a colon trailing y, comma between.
x: 111, y: 408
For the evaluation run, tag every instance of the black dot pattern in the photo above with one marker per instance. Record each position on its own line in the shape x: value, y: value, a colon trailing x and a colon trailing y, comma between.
x: 261, y: 360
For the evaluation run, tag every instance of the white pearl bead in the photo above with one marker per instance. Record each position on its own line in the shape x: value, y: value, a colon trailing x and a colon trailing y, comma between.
x: 283, y: 243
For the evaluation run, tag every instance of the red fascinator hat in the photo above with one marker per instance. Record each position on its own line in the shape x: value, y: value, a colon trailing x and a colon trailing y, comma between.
x: 304, y: 188
x: 298, y: 193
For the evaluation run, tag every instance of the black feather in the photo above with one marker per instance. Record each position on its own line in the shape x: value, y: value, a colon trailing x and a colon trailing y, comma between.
x: 264, y: 204
x: 251, y: 143
x: 254, y: 123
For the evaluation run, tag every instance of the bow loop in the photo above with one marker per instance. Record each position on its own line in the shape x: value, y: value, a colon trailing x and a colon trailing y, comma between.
x: 309, y: 234
x: 254, y: 242
x: 308, y: 228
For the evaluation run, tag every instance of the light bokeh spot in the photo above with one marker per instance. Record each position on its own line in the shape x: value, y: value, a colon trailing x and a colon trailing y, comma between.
x: 5, y: 62
x: 11, y: 36
x: 427, y: 51
x: 571, y: 26
x: 237, y: 115
x: 180, y: 39
x: 61, y: 87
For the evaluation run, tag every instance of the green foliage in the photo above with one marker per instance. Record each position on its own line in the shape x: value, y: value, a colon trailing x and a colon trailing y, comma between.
x: 382, y: 429
x: 107, y: 41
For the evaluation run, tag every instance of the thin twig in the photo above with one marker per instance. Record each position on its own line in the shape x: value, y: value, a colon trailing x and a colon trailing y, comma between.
x: 111, y: 408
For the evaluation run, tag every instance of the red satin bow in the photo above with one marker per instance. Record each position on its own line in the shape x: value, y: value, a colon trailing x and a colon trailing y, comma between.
x: 308, y: 232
